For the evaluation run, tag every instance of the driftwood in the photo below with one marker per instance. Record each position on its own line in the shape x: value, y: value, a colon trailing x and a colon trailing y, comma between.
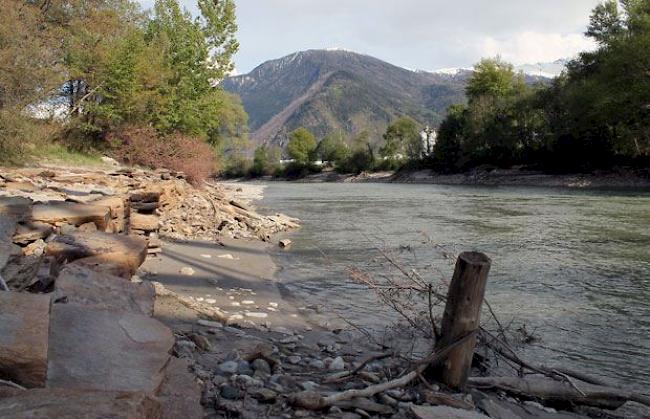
x: 561, y: 392
x: 314, y: 401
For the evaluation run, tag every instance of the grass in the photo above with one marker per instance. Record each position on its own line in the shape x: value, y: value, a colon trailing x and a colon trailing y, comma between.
x: 59, y: 154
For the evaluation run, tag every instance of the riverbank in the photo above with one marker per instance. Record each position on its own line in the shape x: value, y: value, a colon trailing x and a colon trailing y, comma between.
x: 231, y: 341
x: 622, y: 179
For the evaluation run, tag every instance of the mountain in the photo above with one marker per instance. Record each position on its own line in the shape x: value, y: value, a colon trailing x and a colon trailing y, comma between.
x: 531, y: 71
x: 329, y: 90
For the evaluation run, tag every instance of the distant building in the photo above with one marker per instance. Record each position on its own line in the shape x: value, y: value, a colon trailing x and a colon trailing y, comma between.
x: 429, y: 138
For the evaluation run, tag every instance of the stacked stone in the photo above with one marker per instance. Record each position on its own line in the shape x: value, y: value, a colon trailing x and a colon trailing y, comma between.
x: 82, y: 343
x: 144, y: 220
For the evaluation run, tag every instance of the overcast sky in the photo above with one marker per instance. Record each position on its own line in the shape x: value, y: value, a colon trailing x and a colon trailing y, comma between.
x: 416, y: 34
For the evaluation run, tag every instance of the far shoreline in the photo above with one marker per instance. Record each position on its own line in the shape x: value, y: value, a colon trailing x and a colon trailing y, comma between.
x: 614, y: 180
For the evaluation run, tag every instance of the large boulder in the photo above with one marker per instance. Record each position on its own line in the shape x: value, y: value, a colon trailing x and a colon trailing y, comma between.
x: 127, y: 252
x: 24, y: 320
x: 82, y: 286
x: 72, y: 213
x: 106, y: 350
x: 79, y: 404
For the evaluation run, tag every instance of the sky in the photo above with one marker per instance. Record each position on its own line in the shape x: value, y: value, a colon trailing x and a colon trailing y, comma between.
x: 415, y: 34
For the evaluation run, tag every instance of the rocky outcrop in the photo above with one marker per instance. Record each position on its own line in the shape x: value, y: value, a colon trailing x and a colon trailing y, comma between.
x: 24, y: 326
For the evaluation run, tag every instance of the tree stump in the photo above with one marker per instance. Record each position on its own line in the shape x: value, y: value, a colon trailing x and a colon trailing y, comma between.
x: 462, y: 317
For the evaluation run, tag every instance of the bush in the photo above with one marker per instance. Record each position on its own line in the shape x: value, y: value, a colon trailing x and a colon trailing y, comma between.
x: 178, y: 152
x: 21, y: 136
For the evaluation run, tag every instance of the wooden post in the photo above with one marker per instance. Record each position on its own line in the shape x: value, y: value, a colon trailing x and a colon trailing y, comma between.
x: 462, y: 317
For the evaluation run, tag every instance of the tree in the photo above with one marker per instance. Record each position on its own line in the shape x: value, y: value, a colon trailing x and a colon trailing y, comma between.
x: 266, y: 161
x: 402, y: 138
x: 495, y: 79
x: 332, y: 148
x: 605, y: 23
x: 301, y: 146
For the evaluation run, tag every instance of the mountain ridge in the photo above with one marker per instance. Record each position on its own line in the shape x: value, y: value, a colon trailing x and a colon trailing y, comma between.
x: 340, y: 90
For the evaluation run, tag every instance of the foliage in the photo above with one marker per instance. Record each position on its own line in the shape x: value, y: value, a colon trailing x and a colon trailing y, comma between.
x: 332, y: 148
x: 596, y: 115
x: 301, y: 146
x: 266, y: 161
x: 147, y: 147
x: 402, y: 139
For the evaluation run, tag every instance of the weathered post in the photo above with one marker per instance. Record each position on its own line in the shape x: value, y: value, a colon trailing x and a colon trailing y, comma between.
x: 462, y: 317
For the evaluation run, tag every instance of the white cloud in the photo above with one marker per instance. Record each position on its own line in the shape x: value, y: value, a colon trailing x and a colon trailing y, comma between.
x: 535, y: 47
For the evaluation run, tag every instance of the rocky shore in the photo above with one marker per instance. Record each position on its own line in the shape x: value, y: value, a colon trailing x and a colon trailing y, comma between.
x: 132, y: 294
x: 621, y: 179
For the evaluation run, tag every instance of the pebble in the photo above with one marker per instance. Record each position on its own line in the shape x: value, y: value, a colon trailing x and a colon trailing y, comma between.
x: 228, y: 367
x: 274, y: 305
x: 235, y: 318
x: 294, y: 359
x: 247, y: 381
x: 235, y: 304
x: 211, y: 301
x: 338, y: 364
x: 187, y: 271
x: 248, y: 302
x: 245, y: 368
x: 260, y: 365
x: 230, y: 393
x: 309, y: 385
x: 206, y: 256
x: 317, y: 364
x: 264, y: 395
x: 257, y: 315
x: 227, y: 256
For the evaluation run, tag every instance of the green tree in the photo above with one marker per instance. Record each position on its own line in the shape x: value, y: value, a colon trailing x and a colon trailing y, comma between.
x: 332, y: 148
x: 402, y: 138
x: 301, y: 146
x: 494, y: 78
x: 266, y: 161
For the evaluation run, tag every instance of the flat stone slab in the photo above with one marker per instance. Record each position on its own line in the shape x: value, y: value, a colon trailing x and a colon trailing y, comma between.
x: 180, y: 395
x: 17, y: 208
x: 71, y: 213
x: 30, y: 232
x: 24, y: 323
x: 126, y: 251
x: 83, y: 286
x: 102, y: 350
x: 79, y: 404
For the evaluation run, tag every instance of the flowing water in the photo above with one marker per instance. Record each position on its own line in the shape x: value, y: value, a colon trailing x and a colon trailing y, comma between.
x: 574, y: 266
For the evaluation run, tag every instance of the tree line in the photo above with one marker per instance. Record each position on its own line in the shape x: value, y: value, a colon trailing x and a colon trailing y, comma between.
x: 596, y: 115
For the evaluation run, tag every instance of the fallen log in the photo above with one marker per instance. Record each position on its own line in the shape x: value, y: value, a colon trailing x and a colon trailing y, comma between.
x: 554, y: 391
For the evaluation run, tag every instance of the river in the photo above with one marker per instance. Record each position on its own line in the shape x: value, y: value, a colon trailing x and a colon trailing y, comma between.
x: 573, y: 266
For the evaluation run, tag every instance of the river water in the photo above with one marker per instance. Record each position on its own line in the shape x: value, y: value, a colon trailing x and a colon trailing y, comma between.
x: 573, y: 266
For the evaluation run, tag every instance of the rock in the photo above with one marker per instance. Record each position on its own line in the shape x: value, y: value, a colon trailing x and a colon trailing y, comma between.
x: 128, y: 252
x: 118, y: 351
x: 143, y: 222
x: 24, y: 323
x: 338, y: 364
x: 264, y: 395
x: 245, y: 368
x: 87, y: 228
x: 210, y: 324
x: 317, y: 364
x: 117, y: 206
x: 437, y: 412
x: 201, y: 342
x: 285, y: 244
x: 257, y: 315
x: 79, y: 404
x: 100, y: 265
x: 30, y: 232
x: 187, y: 271
x: 309, y: 385
x: 228, y: 367
x: 246, y: 381
x: 180, y: 395
x: 294, y: 359
x: 110, y: 161
x: 16, y: 208
x: 71, y: 213
x: 229, y: 392
x: 83, y: 286
x: 35, y: 249
x: 261, y: 366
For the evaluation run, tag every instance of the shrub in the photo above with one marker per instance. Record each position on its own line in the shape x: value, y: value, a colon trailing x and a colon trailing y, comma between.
x: 21, y: 136
x: 178, y: 152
